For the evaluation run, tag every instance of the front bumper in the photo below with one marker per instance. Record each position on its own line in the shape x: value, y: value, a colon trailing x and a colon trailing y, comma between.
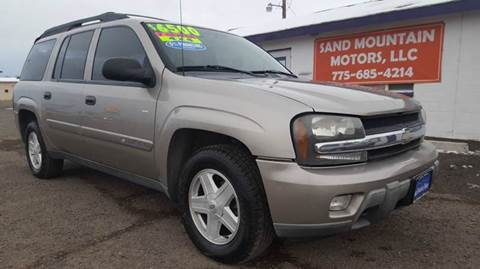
x: 299, y: 198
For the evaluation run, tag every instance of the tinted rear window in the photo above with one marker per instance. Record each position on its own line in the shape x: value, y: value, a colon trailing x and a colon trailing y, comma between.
x: 61, y: 55
x: 76, y: 56
x: 37, y: 61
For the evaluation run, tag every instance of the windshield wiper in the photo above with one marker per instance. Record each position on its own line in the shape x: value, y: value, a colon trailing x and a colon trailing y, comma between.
x: 273, y: 72
x: 213, y: 68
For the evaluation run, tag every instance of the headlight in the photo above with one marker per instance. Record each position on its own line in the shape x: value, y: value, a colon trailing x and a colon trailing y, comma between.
x: 310, y: 129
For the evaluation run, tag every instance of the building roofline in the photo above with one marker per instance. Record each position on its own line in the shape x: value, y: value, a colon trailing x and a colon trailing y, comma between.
x: 381, y: 18
x: 8, y: 79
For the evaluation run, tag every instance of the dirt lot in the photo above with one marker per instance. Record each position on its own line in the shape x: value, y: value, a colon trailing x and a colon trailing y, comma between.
x: 86, y: 219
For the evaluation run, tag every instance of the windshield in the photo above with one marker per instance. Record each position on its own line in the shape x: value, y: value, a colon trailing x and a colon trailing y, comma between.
x: 210, y: 50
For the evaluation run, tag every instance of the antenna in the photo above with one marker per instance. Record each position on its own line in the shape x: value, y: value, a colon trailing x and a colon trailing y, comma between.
x: 182, y: 36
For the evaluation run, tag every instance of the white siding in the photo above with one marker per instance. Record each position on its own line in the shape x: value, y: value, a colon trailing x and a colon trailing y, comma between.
x: 302, y: 53
x: 452, y: 106
x: 438, y: 99
x: 467, y: 108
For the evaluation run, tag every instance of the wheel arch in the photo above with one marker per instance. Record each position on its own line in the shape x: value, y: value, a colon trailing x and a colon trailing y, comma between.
x: 26, y: 111
x: 184, y: 142
x: 254, y: 135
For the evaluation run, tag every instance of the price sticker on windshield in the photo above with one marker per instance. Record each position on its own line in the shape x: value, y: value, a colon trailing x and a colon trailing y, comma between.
x: 178, y: 36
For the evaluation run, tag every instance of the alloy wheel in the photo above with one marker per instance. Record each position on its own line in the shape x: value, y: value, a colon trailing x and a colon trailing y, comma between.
x: 34, y: 151
x: 214, y: 206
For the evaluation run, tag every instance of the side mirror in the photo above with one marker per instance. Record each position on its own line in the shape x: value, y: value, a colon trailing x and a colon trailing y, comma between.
x: 125, y: 69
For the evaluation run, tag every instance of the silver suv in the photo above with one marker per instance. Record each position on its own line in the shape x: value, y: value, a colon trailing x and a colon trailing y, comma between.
x: 246, y: 150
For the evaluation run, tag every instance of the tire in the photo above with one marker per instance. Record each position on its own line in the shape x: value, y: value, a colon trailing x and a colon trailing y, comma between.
x: 254, y: 232
x: 40, y: 163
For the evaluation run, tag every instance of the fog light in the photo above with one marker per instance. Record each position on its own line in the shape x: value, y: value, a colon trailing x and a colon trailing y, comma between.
x: 340, y: 202
x: 352, y: 156
x: 342, y: 158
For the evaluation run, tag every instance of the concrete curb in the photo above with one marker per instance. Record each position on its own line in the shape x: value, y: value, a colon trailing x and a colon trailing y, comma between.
x: 447, y: 146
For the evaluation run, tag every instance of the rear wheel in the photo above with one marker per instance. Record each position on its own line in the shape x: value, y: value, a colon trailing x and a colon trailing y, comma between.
x: 41, y: 164
x: 225, y: 211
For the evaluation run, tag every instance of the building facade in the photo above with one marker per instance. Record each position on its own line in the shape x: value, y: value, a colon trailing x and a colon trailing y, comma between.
x: 428, y: 51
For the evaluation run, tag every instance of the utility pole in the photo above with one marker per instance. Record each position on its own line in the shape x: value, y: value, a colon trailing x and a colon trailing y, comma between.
x: 283, y: 6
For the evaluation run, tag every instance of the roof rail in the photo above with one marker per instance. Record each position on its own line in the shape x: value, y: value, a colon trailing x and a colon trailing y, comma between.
x: 147, y: 17
x: 105, y: 17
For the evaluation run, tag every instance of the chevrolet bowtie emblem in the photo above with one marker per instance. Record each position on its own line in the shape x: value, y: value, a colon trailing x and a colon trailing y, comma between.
x: 408, y: 135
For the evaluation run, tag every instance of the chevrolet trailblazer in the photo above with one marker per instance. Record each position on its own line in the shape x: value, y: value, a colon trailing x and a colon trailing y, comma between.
x: 245, y: 149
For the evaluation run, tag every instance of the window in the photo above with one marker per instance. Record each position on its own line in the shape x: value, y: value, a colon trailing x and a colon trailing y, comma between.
x: 76, y: 55
x: 200, y: 47
x: 405, y: 89
x: 61, y: 55
x: 283, y: 56
x: 117, y: 42
x: 282, y: 60
x: 37, y: 61
x: 383, y: 87
x: 6, y: 90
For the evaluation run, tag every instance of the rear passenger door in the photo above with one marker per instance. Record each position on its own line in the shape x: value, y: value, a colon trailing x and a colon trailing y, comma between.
x: 119, y: 116
x: 63, y: 96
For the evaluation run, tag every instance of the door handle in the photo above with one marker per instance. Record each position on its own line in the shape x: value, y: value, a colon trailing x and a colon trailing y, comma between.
x: 90, y: 100
x: 47, y: 95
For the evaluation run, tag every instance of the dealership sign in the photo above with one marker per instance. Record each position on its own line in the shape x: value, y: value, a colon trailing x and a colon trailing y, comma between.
x: 400, y: 55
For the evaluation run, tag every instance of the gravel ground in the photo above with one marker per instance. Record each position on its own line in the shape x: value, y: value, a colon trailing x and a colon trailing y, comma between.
x: 86, y: 219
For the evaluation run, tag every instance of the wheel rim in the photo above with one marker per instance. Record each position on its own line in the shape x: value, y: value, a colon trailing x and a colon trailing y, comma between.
x: 34, y: 151
x: 214, y: 206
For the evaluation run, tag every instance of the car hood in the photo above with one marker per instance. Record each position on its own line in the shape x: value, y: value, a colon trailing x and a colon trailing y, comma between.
x: 336, y: 98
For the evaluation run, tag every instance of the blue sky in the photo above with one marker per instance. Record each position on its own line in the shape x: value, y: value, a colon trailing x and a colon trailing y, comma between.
x: 24, y: 20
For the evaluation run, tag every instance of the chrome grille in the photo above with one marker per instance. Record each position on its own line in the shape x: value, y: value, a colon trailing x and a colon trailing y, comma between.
x: 386, y: 136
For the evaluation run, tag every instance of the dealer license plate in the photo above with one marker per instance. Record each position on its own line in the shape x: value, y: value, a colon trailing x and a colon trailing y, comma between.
x: 422, y: 185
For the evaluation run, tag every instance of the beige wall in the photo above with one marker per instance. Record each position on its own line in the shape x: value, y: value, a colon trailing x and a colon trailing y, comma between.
x: 6, y: 90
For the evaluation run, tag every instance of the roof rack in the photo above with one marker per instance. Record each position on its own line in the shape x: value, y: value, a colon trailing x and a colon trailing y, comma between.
x: 105, y: 17
x: 146, y: 17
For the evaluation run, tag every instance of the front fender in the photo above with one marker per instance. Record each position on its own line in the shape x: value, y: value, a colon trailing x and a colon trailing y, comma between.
x: 258, y: 139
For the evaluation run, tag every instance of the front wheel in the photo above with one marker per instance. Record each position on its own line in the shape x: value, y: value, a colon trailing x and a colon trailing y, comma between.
x: 225, y: 210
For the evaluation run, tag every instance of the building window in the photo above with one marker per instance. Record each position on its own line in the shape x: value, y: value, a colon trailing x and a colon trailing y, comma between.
x: 382, y: 87
x: 405, y: 89
x: 283, y: 56
x: 282, y: 60
x: 6, y: 90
